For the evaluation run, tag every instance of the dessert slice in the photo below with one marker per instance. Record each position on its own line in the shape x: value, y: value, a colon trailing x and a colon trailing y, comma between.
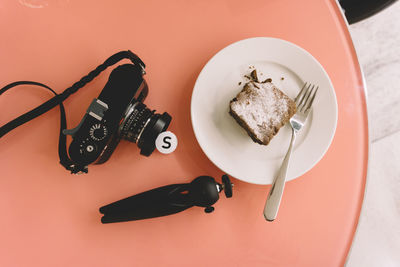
x: 261, y: 109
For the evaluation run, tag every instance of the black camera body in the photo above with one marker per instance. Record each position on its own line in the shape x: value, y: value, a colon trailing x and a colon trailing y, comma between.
x: 118, y: 113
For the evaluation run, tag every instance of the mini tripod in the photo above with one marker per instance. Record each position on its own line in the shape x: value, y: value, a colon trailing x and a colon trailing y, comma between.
x: 202, y: 191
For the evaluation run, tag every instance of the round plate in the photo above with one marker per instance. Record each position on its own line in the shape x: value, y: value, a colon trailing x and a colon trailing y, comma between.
x: 226, y: 144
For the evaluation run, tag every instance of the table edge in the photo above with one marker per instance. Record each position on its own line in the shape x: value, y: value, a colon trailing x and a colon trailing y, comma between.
x: 366, y: 172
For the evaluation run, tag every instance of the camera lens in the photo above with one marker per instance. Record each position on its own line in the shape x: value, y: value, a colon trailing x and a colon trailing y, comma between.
x: 142, y: 126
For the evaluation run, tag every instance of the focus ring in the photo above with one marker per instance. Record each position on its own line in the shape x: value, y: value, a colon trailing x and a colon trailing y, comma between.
x: 135, y: 123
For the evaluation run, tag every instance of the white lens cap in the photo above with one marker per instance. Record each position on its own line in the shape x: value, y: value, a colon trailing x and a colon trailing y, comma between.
x: 166, y: 142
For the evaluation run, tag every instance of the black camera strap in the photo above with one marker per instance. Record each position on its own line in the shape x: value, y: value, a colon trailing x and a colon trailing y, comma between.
x: 58, y: 99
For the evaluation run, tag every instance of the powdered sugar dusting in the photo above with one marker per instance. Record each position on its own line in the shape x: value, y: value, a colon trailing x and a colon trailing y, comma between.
x: 263, y: 107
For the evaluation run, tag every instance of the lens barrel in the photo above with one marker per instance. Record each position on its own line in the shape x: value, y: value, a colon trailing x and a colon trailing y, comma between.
x: 142, y: 126
x: 158, y: 124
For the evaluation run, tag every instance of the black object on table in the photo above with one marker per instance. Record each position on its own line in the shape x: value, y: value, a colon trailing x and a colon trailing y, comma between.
x: 357, y: 10
x: 202, y: 191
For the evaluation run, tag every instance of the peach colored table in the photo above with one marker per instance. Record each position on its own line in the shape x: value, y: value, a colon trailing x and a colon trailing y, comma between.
x: 50, y: 218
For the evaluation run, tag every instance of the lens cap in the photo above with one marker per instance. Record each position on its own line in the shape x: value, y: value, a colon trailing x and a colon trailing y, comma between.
x: 227, y: 186
x: 158, y: 124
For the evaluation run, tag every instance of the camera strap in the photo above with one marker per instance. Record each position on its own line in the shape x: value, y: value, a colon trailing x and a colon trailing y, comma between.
x: 58, y: 99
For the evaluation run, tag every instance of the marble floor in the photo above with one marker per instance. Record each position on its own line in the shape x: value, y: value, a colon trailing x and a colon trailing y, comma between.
x: 377, y: 41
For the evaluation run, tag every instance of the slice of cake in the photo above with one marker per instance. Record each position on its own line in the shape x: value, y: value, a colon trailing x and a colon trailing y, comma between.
x: 262, y: 109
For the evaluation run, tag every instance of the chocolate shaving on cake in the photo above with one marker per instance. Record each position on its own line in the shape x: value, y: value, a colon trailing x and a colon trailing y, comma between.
x: 267, y: 80
x: 254, y: 76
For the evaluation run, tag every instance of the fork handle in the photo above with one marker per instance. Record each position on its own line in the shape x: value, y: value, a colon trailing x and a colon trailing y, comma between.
x: 275, y: 193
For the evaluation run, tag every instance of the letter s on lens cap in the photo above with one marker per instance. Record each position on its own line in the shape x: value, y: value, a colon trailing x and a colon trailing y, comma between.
x: 166, y: 142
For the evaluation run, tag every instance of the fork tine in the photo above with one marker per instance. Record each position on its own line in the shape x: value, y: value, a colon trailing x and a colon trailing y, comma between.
x: 300, y: 95
x: 302, y: 105
x: 311, y: 99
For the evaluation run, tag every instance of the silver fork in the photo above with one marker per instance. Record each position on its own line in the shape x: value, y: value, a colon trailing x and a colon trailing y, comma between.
x: 304, y: 101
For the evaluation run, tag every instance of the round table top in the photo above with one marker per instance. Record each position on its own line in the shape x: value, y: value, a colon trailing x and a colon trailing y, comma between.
x: 51, y: 218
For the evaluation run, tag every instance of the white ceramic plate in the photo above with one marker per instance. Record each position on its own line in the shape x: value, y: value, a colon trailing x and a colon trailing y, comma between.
x: 226, y: 144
